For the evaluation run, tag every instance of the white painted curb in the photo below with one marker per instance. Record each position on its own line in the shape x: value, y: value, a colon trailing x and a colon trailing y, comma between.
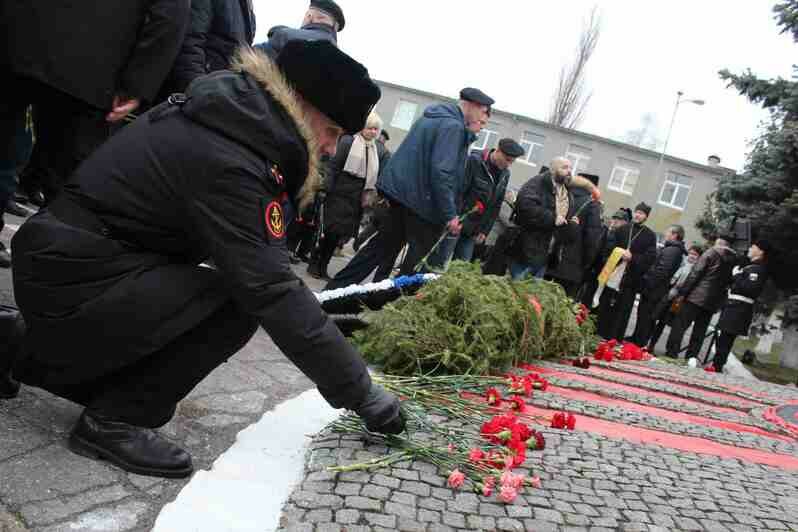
x: 247, y: 486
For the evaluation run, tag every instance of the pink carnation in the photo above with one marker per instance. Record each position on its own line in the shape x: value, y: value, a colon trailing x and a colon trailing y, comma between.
x: 456, y: 479
x: 508, y: 494
x: 475, y: 455
x: 535, y: 482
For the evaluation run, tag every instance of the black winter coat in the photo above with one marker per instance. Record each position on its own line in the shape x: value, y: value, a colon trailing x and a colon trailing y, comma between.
x: 279, y: 35
x: 483, y: 183
x: 657, y: 280
x: 574, y: 259
x: 343, y: 205
x: 747, y: 286
x: 535, y: 209
x: 116, y: 272
x: 216, y: 30
x: 643, y: 248
x: 93, y: 50
x: 709, y: 279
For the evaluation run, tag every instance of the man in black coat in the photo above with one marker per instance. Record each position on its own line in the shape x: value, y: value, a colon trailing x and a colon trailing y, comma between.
x: 487, y: 174
x: 122, y: 317
x: 570, y: 263
x: 545, y: 211
x: 701, y: 295
x: 83, y: 66
x: 216, y: 29
x: 322, y: 22
x: 748, y: 284
x: 640, y: 251
x: 656, y: 282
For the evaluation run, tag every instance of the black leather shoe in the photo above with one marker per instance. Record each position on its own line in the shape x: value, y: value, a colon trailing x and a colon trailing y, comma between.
x: 12, y: 332
x: 5, y: 257
x: 17, y: 210
x: 135, y: 449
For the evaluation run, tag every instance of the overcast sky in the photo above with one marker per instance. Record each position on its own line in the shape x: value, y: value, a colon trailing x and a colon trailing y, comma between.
x: 513, y: 50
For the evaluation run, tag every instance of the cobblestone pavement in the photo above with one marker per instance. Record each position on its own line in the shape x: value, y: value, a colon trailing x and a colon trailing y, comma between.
x: 590, y: 481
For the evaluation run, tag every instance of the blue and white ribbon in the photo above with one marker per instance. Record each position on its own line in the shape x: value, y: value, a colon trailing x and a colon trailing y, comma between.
x: 388, y: 284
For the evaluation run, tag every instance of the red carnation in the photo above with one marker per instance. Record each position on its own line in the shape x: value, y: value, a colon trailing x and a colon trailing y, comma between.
x: 558, y: 421
x: 570, y: 421
x: 585, y: 363
x: 493, y: 397
x: 710, y: 369
x: 479, y: 207
x: 499, y: 429
x: 517, y: 404
x: 536, y: 442
x: 522, y: 431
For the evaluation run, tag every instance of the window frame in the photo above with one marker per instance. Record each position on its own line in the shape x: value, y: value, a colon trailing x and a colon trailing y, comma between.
x: 581, y: 153
x: 485, y: 140
x: 676, y: 187
x: 627, y: 168
x: 396, y: 114
x: 528, y: 148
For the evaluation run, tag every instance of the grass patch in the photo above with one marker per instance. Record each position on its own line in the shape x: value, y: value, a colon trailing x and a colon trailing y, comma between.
x: 767, y: 366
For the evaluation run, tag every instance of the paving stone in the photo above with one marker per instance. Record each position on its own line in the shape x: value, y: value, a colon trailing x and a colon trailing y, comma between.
x: 364, y: 503
x: 110, y: 519
x: 429, y: 503
x: 662, y: 520
x: 408, y: 525
x: 400, y: 510
x: 416, y: 488
x: 454, y: 519
x: 346, y: 488
x: 494, y: 510
x: 545, y: 514
x: 437, y: 527
x: 541, y: 526
x: 66, y: 474
x: 20, y: 437
x: 504, y: 523
x: 311, y: 501
x: 328, y: 527
x: 405, y: 474
x: 319, y: 516
x: 374, y: 519
x: 429, y: 516
x: 58, y: 509
x: 347, y: 516
x: 480, y: 522
x: 687, y: 523
x: 576, y: 519
x: 463, y: 502
x: 388, y: 482
x: 404, y: 498
x: 375, y: 492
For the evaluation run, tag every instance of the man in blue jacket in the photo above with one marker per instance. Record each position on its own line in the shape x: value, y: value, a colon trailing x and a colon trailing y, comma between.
x: 322, y: 22
x: 423, y: 183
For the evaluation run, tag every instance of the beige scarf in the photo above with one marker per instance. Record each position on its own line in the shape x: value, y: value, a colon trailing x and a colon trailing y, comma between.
x: 561, y: 199
x: 362, y: 161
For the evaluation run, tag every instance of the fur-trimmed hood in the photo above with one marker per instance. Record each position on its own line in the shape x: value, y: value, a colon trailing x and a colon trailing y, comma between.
x: 255, y: 105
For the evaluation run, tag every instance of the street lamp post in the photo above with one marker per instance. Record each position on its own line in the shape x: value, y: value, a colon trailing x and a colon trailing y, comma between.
x: 679, y: 100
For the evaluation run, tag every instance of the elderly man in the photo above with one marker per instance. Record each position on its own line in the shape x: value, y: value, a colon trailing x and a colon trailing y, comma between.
x: 486, y: 176
x: 122, y: 317
x: 322, y: 22
x: 546, y: 212
x: 422, y: 183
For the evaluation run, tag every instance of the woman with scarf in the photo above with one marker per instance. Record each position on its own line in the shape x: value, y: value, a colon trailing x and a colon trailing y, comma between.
x: 349, y: 177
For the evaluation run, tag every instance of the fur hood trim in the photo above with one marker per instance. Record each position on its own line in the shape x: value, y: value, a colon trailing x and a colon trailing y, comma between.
x: 268, y: 75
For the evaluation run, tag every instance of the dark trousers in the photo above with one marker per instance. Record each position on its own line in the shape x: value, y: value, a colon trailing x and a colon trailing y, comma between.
x: 659, y: 328
x: 723, y: 346
x: 146, y: 392
x: 67, y: 132
x: 15, y: 147
x: 301, y: 238
x: 402, y: 227
x: 689, y: 314
x: 615, y: 308
x: 323, y: 254
x: 645, y: 318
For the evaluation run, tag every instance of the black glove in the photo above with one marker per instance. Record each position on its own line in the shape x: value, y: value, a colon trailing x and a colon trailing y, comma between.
x: 380, y: 410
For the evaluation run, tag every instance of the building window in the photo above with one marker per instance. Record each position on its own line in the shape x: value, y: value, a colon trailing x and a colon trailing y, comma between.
x: 404, y: 115
x: 579, y: 157
x: 533, y: 148
x: 624, y: 176
x: 676, y: 190
x: 487, y: 138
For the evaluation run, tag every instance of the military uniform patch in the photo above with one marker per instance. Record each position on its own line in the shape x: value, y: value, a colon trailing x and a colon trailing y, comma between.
x: 275, y: 220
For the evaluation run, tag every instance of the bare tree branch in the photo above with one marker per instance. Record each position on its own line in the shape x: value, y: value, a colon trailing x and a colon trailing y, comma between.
x: 570, y: 99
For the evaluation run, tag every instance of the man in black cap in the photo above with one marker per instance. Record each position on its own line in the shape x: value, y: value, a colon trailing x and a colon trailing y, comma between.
x: 487, y: 174
x: 640, y: 251
x: 422, y: 182
x: 123, y: 319
x: 322, y: 22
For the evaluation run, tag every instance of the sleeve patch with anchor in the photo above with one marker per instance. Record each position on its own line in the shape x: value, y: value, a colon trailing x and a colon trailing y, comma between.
x: 274, y: 220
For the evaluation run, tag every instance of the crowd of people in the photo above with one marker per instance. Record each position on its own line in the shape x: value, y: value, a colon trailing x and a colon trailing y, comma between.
x: 252, y: 157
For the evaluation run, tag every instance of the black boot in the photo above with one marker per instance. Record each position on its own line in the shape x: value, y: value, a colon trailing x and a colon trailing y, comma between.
x: 12, y: 332
x: 135, y: 449
x: 315, y: 270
